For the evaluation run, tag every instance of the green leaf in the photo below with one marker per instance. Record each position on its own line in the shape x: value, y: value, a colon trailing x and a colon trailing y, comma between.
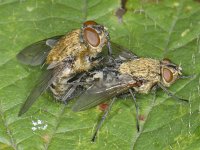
x: 151, y: 28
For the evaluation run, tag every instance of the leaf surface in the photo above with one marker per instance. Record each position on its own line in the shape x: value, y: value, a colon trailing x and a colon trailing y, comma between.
x: 151, y: 28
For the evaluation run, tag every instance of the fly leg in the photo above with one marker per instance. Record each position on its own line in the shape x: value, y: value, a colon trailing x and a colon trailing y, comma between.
x: 72, y: 90
x: 69, y: 94
x: 108, y: 43
x: 171, y: 94
x: 137, y: 109
x: 186, y: 76
x: 109, y: 49
x: 111, y: 59
x: 102, y: 119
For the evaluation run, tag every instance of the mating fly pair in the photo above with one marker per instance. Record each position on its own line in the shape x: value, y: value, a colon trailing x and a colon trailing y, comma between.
x: 65, y: 57
x: 75, y: 64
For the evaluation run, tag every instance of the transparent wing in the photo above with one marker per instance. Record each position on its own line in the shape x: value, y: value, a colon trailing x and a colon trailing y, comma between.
x: 122, y: 52
x: 35, y: 54
x: 42, y: 84
x: 72, y: 92
x: 102, y: 91
x: 74, y: 87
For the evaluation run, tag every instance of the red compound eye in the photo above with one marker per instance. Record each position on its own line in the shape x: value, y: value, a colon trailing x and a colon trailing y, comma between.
x: 89, y: 22
x: 91, y: 36
x: 167, y: 75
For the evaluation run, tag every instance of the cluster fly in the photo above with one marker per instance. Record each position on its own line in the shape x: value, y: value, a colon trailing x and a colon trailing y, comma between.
x: 135, y: 75
x: 65, y: 57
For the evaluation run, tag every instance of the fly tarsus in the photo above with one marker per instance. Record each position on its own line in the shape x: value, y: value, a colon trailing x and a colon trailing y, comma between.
x: 102, y: 119
x: 170, y: 94
x: 137, y: 109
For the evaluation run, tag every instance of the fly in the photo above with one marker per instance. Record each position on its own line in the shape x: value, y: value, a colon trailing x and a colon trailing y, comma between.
x: 65, y: 57
x: 138, y: 75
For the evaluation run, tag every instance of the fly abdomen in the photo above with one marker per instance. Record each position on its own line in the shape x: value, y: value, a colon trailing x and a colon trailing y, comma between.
x: 59, y: 85
x: 59, y: 90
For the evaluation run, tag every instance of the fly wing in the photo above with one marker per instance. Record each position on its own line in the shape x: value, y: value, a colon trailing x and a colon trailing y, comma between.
x: 102, y: 91
x: 42, y: 84
x: 122, y: 52
x: 119, y: 55
x: 35, y: 54
x: 75, y: 87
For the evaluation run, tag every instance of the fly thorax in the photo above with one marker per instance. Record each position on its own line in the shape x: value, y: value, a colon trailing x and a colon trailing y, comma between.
x: 67, y: 46
x: 146, y: 70
x: 143, y: 68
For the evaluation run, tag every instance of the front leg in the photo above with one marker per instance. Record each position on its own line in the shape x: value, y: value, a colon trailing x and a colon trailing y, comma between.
x: 170, y: 94
x: 137, y: 109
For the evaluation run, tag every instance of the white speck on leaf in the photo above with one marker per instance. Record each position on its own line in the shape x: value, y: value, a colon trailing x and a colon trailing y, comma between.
x: 190, y: 110
x: 182, y: 121
x: 188, y: 8
x: 79, y: 140
x: 199, y: 81
x: 34, y: 123
x: 178, y: 143
x: 198, y: 44
x: 170, y: 128
x: 29, y: 9
x: 198, y: 89
x: 184, y: 33
x: 189, y: 124
x: 34, y: 128
x: 199, y: 109
x: 193, y: 59
x: 39, y: 125
x: 39, y: 122
x: 44, y: 127
x: 176, y: 4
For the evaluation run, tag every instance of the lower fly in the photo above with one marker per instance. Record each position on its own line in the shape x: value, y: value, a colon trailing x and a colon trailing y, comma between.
x: 133, y: 76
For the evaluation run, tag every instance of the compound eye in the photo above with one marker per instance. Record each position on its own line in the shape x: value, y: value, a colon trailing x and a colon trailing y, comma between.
x: 167, y: 75
x: 91, y: 36
x: 89, y: 22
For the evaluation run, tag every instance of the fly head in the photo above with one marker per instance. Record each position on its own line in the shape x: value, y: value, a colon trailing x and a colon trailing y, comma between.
x: 170, y: 72
x: 95, y: 36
